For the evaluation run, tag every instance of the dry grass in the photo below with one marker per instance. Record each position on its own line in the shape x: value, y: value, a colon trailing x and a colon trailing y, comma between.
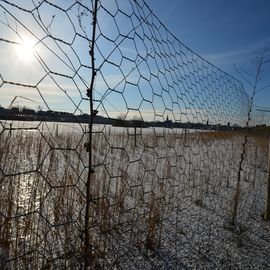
x: 135, y: 192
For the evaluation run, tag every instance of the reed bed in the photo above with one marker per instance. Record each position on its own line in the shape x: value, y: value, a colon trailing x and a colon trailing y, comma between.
x: 164, y: 201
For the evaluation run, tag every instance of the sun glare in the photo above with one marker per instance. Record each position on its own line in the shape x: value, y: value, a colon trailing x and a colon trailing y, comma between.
x: 25, y: 50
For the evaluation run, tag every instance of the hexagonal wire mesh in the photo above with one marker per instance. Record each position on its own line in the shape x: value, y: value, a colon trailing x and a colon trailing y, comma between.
x: 120, y: 147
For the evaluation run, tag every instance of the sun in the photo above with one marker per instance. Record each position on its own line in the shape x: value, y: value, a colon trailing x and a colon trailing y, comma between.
x: 26, y: 50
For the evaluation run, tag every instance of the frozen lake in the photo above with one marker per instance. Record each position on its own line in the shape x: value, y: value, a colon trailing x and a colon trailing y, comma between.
x: 64, y: 127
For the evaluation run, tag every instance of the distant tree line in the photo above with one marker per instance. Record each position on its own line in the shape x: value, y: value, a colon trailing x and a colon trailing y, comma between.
x: 27, y: 114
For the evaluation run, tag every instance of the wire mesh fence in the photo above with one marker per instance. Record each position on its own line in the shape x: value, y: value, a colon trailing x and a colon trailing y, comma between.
x: 121, y: 148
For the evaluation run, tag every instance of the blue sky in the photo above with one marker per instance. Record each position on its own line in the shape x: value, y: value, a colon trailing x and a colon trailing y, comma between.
x: 143, y: 71
x: 226, y: 32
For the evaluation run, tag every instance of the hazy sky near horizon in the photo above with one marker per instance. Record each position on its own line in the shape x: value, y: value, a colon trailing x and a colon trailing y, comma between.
x: 225, y: 32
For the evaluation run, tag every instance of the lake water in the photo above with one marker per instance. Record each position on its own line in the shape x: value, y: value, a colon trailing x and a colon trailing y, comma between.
x: 63, y: 127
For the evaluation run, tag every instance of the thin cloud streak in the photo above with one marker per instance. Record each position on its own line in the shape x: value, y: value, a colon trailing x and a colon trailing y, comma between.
x: 237, y: 53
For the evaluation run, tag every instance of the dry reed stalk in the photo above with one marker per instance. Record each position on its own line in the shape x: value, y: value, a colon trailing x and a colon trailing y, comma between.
x: 267, y: 203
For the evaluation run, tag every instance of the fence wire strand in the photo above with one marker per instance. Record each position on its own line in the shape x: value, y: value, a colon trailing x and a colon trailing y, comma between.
x: 120, y: 147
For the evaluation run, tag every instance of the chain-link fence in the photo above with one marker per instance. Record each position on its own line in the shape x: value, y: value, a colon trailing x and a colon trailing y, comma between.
x: 121, y: 148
